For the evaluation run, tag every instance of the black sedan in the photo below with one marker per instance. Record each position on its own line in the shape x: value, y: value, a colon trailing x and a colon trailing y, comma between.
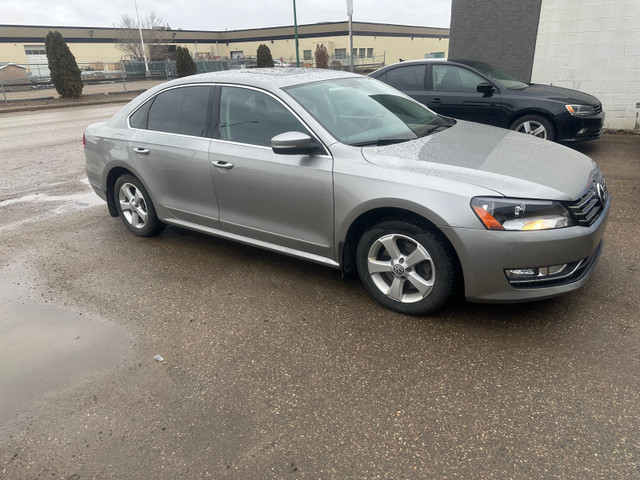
x: 479, y: 92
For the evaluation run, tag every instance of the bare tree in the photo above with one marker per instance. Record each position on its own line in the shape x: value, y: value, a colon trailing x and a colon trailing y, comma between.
x: 152, y: 34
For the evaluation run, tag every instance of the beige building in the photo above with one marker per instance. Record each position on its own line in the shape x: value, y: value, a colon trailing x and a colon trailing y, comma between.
x: 373, y: 43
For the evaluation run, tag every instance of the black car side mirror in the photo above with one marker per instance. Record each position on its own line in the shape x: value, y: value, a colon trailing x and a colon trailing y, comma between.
x: 486, y: 88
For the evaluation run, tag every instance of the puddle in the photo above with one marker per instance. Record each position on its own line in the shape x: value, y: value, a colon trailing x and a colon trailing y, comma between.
x: 45, y: 349
x: 59, y: 205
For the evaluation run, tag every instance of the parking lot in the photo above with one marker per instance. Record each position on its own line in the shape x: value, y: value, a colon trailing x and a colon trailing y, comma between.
x: 277, y: 368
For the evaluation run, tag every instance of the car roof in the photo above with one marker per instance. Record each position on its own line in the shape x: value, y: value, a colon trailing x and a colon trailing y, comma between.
x: 268, y: 78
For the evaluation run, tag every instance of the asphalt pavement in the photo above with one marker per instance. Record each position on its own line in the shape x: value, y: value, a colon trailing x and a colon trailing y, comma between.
x: 272, y: 367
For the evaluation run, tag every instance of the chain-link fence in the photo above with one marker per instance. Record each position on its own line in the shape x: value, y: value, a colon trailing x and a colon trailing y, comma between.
x: 35, y: 76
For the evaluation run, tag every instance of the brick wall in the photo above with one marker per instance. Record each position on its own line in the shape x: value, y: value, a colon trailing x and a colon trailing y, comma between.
x: 593, y: 46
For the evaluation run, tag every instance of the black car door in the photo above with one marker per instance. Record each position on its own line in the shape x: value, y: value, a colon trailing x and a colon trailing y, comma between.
x: 452, y: 91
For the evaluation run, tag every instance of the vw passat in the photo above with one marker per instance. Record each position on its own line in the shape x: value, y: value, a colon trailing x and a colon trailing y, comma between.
x: 348, y: 172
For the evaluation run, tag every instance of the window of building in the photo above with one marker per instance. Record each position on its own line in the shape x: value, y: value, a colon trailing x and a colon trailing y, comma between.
x: 307, y: 54
x: 341, y: 53
x: 361, y: 52
x: 182, y: 110
x: 369, y: 52
x: 35, y: 50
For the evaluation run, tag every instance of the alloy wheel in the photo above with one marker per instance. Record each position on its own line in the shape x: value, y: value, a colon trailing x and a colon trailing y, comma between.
x: 401, y: 268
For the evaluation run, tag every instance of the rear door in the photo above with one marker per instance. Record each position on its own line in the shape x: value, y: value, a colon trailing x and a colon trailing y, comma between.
x: 453, y: 92
x: 282, y: 199
x: 170, y: 150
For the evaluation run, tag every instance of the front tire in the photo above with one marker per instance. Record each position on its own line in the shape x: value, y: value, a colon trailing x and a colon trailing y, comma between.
x: 406, y: 267
x: 535, y: 125
x: 135, y: 207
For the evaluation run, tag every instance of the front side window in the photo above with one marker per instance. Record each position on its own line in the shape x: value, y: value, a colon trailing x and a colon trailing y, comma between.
x: 252, y: 117
x: 183, y: 110
x: 410, y: 77
x: 455, y: 79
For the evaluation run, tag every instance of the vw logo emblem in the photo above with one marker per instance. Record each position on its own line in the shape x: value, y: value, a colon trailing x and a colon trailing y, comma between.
x: 398, y: 270
x: 602, y: 192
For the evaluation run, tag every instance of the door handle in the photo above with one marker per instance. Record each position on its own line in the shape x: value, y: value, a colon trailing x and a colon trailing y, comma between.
x: 222, y: 164
x: 435, y: 100
x: 141, y: 151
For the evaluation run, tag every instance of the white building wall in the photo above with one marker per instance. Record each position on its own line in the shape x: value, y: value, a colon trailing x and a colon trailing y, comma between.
x: 593, y: 46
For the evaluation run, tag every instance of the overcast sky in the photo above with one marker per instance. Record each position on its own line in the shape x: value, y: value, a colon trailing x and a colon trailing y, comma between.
x: 223, y: 14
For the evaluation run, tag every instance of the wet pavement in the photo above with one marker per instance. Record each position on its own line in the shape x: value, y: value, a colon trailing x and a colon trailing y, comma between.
x: 278, y: 368
x: 46, y: 348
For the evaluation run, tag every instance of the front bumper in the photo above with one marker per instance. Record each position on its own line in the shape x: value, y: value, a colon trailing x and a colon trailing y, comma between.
x: 485, y: 255
x: 575, y: 128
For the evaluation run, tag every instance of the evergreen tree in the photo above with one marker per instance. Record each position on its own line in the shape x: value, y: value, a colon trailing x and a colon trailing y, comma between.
x: 322, y: 56
x: 264, y: 58
x: 65, y: 74
x: 184, y: 62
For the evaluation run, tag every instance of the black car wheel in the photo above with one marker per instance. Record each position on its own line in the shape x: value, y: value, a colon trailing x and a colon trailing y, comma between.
x: 535, y: 125
x: 135, y: 207
x: 406, y: 267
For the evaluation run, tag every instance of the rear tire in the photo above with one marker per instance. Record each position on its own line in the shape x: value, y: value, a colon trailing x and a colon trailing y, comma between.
x: 535, y: 125
x: 135, y: 207
x: 406, y: 267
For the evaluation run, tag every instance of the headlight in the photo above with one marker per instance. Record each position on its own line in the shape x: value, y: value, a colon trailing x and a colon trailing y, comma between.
x: 581, y: 109
x: 516, y: 214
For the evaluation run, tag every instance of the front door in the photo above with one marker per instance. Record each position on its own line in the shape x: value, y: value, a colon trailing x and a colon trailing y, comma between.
x: 282, y: 199
x: 453, y: 92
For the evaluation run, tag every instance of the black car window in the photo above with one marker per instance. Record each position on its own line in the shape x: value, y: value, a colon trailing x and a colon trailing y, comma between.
x: 183, y: 110
x: 410, y: 77
x: 455, y: 79
x: 249, y: 116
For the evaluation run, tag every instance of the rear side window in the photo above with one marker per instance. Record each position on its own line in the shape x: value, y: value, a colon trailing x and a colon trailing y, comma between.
x: 410, y: 77
x: 183, y: 110
x: 140, y: 116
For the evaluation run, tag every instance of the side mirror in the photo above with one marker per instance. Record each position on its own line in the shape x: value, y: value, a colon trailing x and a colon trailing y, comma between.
x: 293, y: 143
x: 486, y: 88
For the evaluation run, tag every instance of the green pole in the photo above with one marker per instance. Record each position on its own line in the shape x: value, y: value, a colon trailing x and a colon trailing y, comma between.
x: 295, y: 27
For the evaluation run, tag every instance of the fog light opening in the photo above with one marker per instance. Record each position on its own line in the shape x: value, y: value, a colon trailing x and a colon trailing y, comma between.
x: 535, y: 273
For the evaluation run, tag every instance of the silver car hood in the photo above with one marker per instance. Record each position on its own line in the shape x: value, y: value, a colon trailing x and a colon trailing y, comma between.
x: 510, y: 163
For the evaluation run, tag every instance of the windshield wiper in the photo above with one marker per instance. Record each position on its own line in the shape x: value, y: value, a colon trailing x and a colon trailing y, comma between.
x: 434, y: 128
x: 380, y: 142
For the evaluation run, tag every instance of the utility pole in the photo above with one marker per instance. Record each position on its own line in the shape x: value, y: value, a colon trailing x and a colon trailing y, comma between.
x: 144, y: 52
x: 350, y: 14
x: 295, y: 28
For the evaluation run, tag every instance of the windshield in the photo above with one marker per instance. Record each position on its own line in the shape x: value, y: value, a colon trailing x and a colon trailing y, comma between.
x: 364, y: 111
x: 494, y: 73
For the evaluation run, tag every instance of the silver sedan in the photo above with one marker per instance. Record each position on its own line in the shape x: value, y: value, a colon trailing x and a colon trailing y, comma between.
x: 348, y: 172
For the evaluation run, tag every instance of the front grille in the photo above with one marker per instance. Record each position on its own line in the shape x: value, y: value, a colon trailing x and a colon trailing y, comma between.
x: 590, y: 205
x: 598, y: 108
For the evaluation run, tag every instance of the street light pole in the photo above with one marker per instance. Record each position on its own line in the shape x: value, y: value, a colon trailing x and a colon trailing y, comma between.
x: 295, y: 27
x: 350, y: 14
x: 144, y: 53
